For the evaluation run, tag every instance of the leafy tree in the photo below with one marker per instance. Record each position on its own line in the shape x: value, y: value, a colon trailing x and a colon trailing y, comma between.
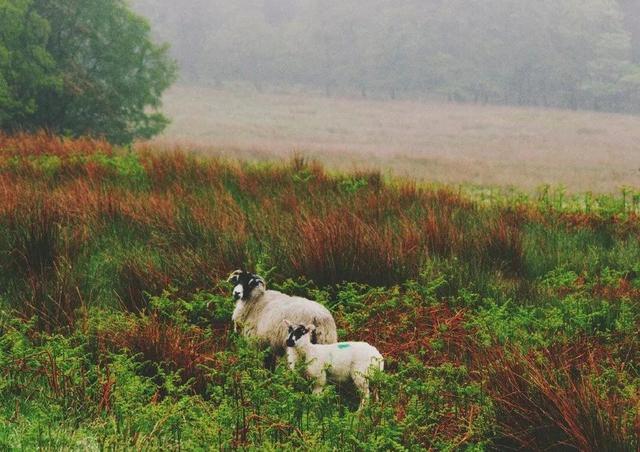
x: 26, y: 68
x: 101, y: 75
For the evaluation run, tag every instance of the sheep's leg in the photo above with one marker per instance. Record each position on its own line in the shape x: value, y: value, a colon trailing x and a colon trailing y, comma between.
x: 270, y: 361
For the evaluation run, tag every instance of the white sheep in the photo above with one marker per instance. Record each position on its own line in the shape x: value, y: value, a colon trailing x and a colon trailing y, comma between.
x: 259, y: 313
x: 334, y: 362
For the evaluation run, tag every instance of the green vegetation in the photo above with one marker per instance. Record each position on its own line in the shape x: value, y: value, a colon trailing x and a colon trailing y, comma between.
x: 80, y: 68
x: 510, y: 322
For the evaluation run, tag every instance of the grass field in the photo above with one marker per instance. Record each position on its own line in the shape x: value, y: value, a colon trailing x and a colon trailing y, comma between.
x: 506, y: 323
x: 451, y: 143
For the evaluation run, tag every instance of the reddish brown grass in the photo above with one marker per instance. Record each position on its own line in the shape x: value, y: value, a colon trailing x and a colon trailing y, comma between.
x: 437, y: 334
x: 551, y: 400
x: 623, y: 289
x: 503, y: 246
x: 44, y: 144
x: 189, y: 351
x: 201, y: 218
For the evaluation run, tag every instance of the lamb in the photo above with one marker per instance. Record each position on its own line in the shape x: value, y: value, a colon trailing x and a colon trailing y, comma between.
x: 259, y: 313
x: 335, y: 362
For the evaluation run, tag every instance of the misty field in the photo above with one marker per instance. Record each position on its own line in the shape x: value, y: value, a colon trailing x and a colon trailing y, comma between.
x: 450, y: 143
x: 505, y: 324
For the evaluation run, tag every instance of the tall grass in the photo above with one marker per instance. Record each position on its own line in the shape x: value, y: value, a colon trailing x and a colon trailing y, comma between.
x: 509, y: 323
x: 186, y: 221
x: 564, y: 399
x: 203, y: 217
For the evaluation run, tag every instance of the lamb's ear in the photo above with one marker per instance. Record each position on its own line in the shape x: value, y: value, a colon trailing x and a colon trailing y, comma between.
x: 287, y: 323
x: 311, y: 327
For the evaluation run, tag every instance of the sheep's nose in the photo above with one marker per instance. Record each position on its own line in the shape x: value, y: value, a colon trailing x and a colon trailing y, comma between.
x: 237, y: 292
x: 290, y: 343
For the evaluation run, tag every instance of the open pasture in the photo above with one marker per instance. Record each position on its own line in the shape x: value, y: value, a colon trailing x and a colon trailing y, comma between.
x: 427, y: 141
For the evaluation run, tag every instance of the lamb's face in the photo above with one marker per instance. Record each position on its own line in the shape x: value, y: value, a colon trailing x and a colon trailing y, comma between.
x: 298, y: 334
x: 247, y: 285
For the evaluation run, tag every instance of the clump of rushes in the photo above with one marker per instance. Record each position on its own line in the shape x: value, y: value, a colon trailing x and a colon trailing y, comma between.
x: 43, y: 144
x: 189, y: 351
x: 567, y: 396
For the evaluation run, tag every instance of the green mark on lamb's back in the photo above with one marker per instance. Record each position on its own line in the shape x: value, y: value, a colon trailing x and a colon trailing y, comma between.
x: 343, y: 345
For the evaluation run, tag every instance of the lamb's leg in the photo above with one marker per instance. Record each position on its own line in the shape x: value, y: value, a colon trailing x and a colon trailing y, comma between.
x: 319, y: 383
x: 362, y: 384
x: 376, y: 395
x: 291, y: 360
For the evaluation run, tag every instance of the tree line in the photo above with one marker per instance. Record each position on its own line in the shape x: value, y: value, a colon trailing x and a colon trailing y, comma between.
x: 560, y: 53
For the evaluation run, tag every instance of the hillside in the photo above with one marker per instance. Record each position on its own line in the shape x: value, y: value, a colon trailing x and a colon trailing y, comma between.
x: 450, y: 143
x: 509, y: 323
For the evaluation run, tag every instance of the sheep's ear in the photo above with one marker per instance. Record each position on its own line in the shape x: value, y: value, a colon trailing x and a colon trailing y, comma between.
x: 233, y: 277
x: 287, y: 323
x: 311, y: 327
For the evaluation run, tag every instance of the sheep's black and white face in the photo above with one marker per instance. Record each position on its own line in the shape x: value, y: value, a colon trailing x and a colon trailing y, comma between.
x: 296, y: 334
x: 300, y: 334
x: 246, y: 285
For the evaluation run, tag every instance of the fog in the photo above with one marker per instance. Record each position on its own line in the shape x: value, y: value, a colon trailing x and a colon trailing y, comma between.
x: 576, y: 54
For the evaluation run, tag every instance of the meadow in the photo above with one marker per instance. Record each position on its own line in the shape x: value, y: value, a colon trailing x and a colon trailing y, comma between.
x: 507, y: 321
x: 428, y: 140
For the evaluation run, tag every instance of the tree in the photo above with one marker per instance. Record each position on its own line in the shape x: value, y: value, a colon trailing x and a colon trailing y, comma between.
x: 25, y: 65
x: 105, y: 77
x: 631, y: 10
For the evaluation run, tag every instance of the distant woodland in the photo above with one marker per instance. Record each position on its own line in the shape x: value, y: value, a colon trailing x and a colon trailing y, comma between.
x: 579, y: 54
